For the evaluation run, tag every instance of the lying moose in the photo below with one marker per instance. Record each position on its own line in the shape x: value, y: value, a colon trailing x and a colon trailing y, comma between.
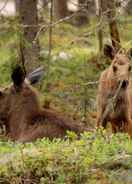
x: 115, y: 93
x: 23, y: 117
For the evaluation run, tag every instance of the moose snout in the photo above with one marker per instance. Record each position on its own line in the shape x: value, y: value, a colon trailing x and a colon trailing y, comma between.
x: 123, y: 83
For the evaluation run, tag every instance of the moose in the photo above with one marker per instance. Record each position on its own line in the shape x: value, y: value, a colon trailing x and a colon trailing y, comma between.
x: 23, y: 117
x: 114, y: 100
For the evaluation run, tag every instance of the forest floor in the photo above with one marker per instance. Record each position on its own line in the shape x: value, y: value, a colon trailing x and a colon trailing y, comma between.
x: 97, y: 158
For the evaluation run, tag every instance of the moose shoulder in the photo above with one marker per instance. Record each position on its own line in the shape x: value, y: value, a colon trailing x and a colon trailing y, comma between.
x: 115, y: 94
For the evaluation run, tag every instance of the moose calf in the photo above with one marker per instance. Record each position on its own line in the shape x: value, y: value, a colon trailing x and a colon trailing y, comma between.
x: 23, y: 117
x: 114, y: 98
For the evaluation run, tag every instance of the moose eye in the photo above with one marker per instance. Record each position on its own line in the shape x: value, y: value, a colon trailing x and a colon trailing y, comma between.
x: 130, y: 68
x: 114, y: 68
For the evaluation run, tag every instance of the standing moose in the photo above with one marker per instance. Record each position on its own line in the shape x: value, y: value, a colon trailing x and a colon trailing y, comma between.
x: 115, y: 93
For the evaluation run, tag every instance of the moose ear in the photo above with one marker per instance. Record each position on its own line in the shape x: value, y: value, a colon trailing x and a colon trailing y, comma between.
x: 109, y: 51
x: 1, y: 93
x: 36, y: 75
x: 129, y: 53
x: 18, y: 76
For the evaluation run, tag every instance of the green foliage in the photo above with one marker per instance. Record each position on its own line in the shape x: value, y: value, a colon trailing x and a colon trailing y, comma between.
x: 95, y: 158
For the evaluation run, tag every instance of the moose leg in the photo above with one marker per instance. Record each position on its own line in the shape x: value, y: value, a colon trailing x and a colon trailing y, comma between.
x: 100, y: 120
x: 101, y: 123
x: 41, y: 130
x: 61, y: 121
x: 114, y: 127
x: 52, y: 125
x: 118, y: 126
x: 128, y: 128
x: 128, y: 124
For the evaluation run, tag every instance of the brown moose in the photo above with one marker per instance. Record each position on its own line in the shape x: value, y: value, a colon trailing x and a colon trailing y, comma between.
x: 23, y: 117
x: 114, y: 98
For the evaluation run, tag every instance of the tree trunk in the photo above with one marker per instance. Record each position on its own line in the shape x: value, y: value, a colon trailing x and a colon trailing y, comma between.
x: 115, y: 38
x: 128, y: 7
x: 29, y: 21
x: 98, y: 4
x: 17, y: 4
x: 44, y: 3
x: 60, y: 8
x: 82, y: 17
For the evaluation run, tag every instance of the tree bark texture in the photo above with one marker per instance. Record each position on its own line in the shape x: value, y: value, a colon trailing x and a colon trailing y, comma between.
x: 111, y: 14
x: 29, y: 21
x: 60, y: 8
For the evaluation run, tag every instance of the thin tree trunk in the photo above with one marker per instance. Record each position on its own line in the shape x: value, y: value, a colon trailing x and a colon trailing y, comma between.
x: 127, y: 7
x: 115, y: 38
x: 98, y: 4
x: 17, y: 5
x: 29, y: 21
x: 82, y: 17
x: 44, y: 3
x: 60, y: 8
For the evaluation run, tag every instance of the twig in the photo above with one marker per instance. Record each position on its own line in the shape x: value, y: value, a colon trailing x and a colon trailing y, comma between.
x: 91, y: 83
x: 44, y: 27
x: 5, y: 3
x: 111, y: 103
x: 50, y: 42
